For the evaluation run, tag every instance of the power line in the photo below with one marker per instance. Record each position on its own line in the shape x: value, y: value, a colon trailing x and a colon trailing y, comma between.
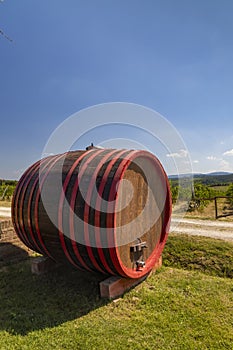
x: 5, y: 36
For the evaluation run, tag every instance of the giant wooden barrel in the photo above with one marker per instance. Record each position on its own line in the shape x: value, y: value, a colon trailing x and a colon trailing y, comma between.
x: 102, y: 210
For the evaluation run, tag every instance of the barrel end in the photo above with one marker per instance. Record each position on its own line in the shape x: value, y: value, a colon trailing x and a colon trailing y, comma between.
x: 156, y: 266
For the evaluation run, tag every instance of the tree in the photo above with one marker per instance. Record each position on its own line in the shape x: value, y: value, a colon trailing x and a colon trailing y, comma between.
x: 7, y: 189
x: 174, y: 192
x: 202, y: 194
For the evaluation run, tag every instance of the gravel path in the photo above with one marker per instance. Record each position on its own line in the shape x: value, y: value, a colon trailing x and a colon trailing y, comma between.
x: 208, y: 228
x: 5, y: 212
x: 197, y: 227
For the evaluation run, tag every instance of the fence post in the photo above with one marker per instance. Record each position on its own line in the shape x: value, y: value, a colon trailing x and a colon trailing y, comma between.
x: 216, y: 207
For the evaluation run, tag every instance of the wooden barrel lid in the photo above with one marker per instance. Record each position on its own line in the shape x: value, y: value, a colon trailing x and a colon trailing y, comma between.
x: 143, y: 223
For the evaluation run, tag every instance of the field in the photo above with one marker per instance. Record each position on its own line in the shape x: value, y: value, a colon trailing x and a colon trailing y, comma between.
x: 221, y: 189
x: 200, y: 201
x: 208, y: 212
x: 187, y: 304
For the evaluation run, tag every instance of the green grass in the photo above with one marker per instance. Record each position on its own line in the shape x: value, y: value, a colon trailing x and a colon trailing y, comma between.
x: 211, y: 256
x: 222, y: 188
x: 174, y: 308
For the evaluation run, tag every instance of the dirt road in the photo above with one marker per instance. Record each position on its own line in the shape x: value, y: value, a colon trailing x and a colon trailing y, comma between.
x: 208, y: 228
x: 5, y: 212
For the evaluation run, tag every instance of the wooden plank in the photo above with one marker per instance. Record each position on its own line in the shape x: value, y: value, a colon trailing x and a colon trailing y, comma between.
x: 115, y: 286
x: 42, y: 264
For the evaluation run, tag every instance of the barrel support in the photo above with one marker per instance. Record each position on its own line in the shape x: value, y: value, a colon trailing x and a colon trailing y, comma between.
x: 114, y: 286
x: 42, y: 264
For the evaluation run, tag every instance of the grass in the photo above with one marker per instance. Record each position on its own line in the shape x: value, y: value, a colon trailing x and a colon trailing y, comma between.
x: 211, y: 256
x: 209, y: 211
x: 222, y: 188
x: 174, y: 308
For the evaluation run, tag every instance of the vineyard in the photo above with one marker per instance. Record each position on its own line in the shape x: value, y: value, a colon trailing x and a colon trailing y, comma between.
x: 200, y: 195
x: 7, y: 188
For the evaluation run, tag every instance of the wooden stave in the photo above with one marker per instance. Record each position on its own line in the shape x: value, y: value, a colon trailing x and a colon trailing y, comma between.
x: 110, y: 255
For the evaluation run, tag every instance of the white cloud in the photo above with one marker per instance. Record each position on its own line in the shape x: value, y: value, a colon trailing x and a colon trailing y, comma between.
x: 196, y: 161
x: 183, y: 153
x: 229, y: 153
x: 211, y: 158
x: 224, y: 165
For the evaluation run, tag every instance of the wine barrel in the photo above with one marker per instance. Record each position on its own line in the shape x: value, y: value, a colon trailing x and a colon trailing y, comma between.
x: 103, y: 210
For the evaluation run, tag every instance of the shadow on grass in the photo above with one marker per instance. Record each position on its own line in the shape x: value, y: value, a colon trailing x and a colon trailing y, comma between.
x: 10, y: 253
x: 30, y: 302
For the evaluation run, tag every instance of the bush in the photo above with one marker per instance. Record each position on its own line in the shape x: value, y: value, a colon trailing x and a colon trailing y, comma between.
x: 201, y: 195
x: 7, y: 189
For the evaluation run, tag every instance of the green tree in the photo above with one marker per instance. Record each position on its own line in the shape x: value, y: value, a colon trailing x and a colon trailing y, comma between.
x: 6, y: 190
x: 202, y: 194
x: 174, y: 191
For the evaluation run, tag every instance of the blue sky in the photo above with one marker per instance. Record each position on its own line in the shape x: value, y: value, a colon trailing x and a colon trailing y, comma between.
x: 173, y: 56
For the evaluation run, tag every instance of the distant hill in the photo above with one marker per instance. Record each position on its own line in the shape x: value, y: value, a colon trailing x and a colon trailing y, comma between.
x: 212, y: 179
x: 217, y: 173
x: 183, y: 176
